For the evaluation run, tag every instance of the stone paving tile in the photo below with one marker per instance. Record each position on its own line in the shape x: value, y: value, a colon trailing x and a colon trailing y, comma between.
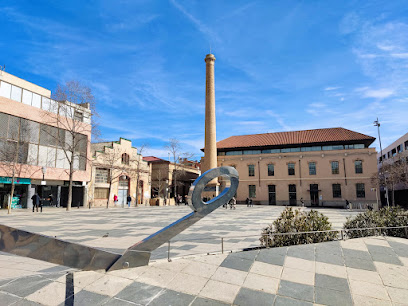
x: 300, y: 264
x: 138, y: 292
x: 234, y: 262
x: 364, y: 275
x: 326, y: 296
x: 329, y: 258
x: 230, y: 276
x: 369, y: 301
x: 24, y: 302
x: 52, y: 294
x: 118, y: 302
x: 23, y: 287
x: 190, y: 284
x: 247, y: 297
x: 206, y: 302
x: 302, y: 251
x: 332, y: 247
x: 84, y: 297
x: 369, y: 289
x: 170, y: 297
x: 332, y: 270
x: 108, y: 285
x: 267, y: 256
x: 220, y: 291
x: 8, y: 299
x: 349, y: 253
x: 298, y: 276
x: 393, y: 276
x: 265, y: 269
x: 330, y: 282
x: 249, y: 255
x: 200, y: 269
x: 261, y: 283
x: 284, y: 301
x: 296, y: 291
x: 398, y: 295
x: 358, y: 263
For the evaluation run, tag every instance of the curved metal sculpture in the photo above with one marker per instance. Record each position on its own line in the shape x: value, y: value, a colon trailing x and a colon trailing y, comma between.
x: 78, y: 256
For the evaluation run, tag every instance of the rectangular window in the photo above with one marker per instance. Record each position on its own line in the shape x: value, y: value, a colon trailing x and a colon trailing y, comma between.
x: 78, y: 116
x: 360, y: 190
x: 27, y: 97
x: 251, y: 170
x: 291, y: 169
x: 252, y: 191
x: 336, y: 190
x: 13, y: 128
x: 36, y: 101
x: 101, y: 193
x: 312, y: 168
x: 399, y: 148
x: 251, y: 152
x: 3, y: 124
x: 406, y: 145
x: 358, y: 165
x: 5, y: 90
x: 16, y: 93
x: 335, y: 167
x: 101, y: 175
x: 271, y: 170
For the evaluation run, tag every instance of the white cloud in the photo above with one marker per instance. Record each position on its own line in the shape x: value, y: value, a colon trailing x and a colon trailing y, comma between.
x: 378, y: 93
x: 331, y: 88
x: 400, y: 55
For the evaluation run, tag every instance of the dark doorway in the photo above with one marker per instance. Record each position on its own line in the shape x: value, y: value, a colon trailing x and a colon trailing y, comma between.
x: 292, y: 195
x: 314, y: 194
x: 272, y: 194
x: 77, y: 196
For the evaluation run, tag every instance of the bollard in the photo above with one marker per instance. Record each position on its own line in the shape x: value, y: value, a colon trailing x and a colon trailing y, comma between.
x: 406, y: 232
x: 342, y: 236
x: 222, y: 245
x: 168, y: 252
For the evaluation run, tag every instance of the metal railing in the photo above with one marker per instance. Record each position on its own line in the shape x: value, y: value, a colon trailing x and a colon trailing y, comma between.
x: 342, y: 234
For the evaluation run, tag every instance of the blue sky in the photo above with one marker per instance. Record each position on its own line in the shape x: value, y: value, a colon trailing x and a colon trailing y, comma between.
x: 281, y: 65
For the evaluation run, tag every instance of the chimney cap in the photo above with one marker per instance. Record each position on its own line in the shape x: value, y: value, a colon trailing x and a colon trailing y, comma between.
x: 210, y: 57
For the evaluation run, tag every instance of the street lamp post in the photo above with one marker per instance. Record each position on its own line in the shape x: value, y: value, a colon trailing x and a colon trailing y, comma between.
x: 377, y: 124
x: 44, y: 170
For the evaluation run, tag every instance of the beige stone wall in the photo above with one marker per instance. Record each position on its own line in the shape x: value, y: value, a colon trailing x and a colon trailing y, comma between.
x: 9, y: 78
x: 347, y: 177
x: 102, y: 160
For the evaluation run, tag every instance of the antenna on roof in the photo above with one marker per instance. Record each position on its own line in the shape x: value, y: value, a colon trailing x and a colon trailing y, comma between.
x: 2, y: 68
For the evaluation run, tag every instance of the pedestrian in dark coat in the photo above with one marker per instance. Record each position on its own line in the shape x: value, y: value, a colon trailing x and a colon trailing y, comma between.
x: 36, y: 201
x: 129, y: 199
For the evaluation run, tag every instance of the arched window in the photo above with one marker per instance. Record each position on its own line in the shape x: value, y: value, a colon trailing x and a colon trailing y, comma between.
x: 125, y: 159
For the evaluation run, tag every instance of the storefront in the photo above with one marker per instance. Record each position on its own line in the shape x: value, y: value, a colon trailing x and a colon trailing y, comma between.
x: 20, y: 196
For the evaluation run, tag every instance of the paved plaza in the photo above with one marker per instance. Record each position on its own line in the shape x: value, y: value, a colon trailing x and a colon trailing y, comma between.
x: 364, y: 271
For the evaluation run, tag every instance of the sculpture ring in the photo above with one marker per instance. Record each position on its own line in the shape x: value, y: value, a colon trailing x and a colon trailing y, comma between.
x: 194, y: 196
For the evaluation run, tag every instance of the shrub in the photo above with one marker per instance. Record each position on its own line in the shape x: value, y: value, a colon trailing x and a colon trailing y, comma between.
x: 297, y: 221
x: 385, y: 217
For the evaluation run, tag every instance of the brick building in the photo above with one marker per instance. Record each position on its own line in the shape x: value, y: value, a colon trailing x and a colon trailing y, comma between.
x: 322, y: 167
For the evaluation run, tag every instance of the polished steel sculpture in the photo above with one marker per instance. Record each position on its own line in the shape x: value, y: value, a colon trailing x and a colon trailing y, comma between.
x: 78, y: 256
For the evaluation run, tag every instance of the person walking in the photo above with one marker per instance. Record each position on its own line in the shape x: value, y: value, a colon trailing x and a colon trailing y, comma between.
x: 233, y: 202
x: 247, y: 202
x: 36, y: 201
x: 115, y: 199
x: 251, y: 202
x: 129, y: 199
x: 302, y: 202
x: 51, y: 199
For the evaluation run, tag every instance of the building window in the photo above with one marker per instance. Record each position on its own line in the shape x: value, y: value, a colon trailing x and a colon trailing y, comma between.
x: 252, y: 191
x: 360, y: 190
x: 292, y: 194
x: 251, y: 170
x: 335, y: 167
x: 291, y: 169
x: 336, y: 190
x: 78, y: 116
x: 102, y: 175
x: 312, y: 168
x: 271, y: 170
x: 272, y: 194
x: 101, y: 193
x: 399, y: 149
x: 358, y: 164
x: 125, y: 159
x: 406, y: 145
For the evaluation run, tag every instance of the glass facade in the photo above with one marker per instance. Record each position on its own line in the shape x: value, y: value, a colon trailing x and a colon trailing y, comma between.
x: 38, y: 144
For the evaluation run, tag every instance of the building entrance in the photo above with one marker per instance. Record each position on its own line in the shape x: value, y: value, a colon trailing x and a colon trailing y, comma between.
x: 272, y: 194
x: 314, y: 194
x: 123, y: 190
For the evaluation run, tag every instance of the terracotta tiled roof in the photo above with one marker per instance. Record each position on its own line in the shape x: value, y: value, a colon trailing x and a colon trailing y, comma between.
x: 294, y: 138
x: 153, y: 159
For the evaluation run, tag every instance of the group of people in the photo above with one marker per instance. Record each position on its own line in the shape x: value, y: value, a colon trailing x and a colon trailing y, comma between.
x: 249, y: 202
x: 38, y: 202
x: 128, y: 200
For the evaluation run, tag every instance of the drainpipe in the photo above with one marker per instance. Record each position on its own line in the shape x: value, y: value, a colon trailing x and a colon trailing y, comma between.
x: 259, y: 174
x: 345, y: 175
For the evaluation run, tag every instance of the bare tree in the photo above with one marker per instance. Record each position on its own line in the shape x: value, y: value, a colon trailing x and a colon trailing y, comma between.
x: 174, y: 149
x: 391, y: 175
x: 70, y: 126
x: 138, y: 161
x: 159, y: 184
x: 15, y: 159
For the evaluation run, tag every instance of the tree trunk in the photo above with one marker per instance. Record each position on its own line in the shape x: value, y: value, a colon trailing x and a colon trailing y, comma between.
x: 71, y: 166
x: 109, y: 193
x: 11, y: 196
x: 393, y: 196
x: 137, y: 187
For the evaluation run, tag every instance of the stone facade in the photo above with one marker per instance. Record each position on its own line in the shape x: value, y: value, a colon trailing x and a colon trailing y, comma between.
x: 116, y: 168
